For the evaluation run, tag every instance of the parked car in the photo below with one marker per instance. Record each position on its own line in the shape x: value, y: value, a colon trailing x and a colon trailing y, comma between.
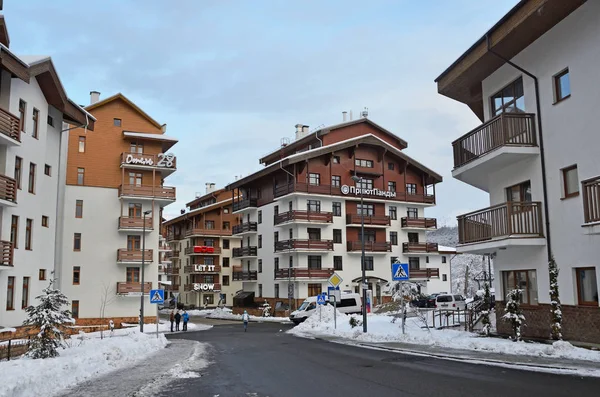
x: 348, y: 304
x: 450, y: 302
x: 425, y: 301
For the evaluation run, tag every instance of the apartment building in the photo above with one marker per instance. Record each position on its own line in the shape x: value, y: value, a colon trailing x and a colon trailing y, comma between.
x: 203, y: 270
x: 530, y: 80
x: 112, y: 209
x: 300, y: 216
x: 33, y: 106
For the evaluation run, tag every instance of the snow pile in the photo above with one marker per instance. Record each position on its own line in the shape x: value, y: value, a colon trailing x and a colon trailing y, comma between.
x: 84, y: 357
x: 224, y: 313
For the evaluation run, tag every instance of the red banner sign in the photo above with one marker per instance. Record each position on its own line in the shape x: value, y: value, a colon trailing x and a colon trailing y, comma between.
x: 202, y: 249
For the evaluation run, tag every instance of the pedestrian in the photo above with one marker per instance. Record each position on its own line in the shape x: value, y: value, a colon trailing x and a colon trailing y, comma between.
x: 172, y: 318
x: 177, y: 320
x: 186, y: 318
x: 111, y: 327
x: 245, y: 318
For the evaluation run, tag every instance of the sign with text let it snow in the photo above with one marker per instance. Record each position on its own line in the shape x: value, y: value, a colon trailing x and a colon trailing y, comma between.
x: 204, y: 287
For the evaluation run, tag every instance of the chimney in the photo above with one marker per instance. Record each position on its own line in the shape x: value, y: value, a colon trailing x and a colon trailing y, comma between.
x: 210, y: 187
x: 351, y: 115
x: 304, y: 130
x: 298, y: 131
x: 344, y: 114
x: 94, y: 97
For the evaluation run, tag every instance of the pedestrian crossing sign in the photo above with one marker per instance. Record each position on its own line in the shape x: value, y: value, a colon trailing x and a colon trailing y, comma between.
x: 400, y: 271
x: 157, y: 296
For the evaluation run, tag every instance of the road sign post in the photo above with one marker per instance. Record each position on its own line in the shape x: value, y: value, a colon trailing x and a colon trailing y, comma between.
x: 334, y: 281
x: 157, y: 297
x: 320, y: 302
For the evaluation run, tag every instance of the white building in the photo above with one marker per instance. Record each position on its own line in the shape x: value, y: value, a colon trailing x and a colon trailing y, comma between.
x: 536, y: 155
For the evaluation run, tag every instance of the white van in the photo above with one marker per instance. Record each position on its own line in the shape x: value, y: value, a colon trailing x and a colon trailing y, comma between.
x: 350, y: 303
x: 450, y: 302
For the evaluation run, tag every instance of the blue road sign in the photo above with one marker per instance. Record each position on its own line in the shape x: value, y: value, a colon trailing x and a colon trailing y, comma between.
x: 157, y: 296
x: 321, y: 299
x: 400, y: 271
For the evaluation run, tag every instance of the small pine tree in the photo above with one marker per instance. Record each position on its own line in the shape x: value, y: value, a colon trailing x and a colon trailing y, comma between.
x: 514, y: 313
x: 556, y: 326
x: 48, y: 317
x: 266, y: 309
x: 485, y: 309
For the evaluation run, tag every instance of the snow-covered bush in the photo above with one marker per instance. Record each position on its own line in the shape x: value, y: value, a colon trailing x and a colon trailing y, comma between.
x: 514, y: 313
x: 485, y: 310
x: 556, y: 326
x: 266, y: 309
x: 48, y: 317
x: 354, y: 322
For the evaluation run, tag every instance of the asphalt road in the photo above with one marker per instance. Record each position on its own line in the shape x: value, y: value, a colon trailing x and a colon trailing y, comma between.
x: 266, y: 362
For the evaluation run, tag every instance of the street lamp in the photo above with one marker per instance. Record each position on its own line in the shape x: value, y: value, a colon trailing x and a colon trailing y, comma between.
x: 363, y: 281
x: 143, y: 267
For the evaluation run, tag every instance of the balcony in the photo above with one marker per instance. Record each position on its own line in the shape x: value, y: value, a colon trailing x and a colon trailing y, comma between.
x: 8, y: 191
x: 10, y: 132
x: 418, y: 223
x: 173, y: 287
x: 201, y: 268
x: 160, y: 193
x: 244, y: 204
x: 513, y: 224
x: 202, y: 287
x: 244, y: 276
x: 133, y: 256
x: 165, y: 163
x: 172, y: 269
x: 419, y: 248
x: 245, y: 228
x: 6, y: 260
x: 304, y: 245
x: 370, y: 246
x: 202, y: 250
x: 307, y: 273
x: 134, y: 289
x: 370, y: 220
x: 171, y: 254
x: 207, y: 232
x: 423, y: 274
x: 129, y: 223
x: 303, y: 217
x: 496, y: 144
x: 174, y: 237
x: 591, y: 205
x: 245, y: 252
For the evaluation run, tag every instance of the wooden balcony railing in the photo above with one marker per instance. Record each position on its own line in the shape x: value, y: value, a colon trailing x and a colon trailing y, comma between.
x: 172, y: 287
x: 172, y: 269
x: 424, y: 223
x: 370, y: 220
x: 244, y: 251
x: 9, y: 125
x: 242, y: 204
x: 419, y: 247
x: 506, y: 129
x: 125, y: 255
x: 8, y: 189
x: 513, y: 219
x: 207, y: 232
x: 245, y: 227
x: 125, y: 288
x: 245, y: 276
x: 159, y: 192
x: 7, y: 253
x: 370, y: 246
x: 150, y: 160
x: 424, y: 273
x: 202, y: 287
x: 202, y: 250
x: 296, y: 272
x: 591, y: 199
x: 298, y: 244
x: 174, y: 237
x: 171, y: 254
x: 306, y: 216
x: 201, y: 268
x: 128, y: 222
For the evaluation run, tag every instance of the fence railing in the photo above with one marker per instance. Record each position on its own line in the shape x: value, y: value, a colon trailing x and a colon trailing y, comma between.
x: 8, y: 189
x: 7, y: 253
x: 245, y: 276
x: 591, y: 199
x: 303, y: 272
x: 424, y: 223
x: 159, y: 192
x: 370, y: 246
x: 410, y: 247
x: 299, y: 244
x: 244, y: 251
x: 245, y: 227
x: 133, y: 222
x: 242, y: 204
x: 9, y: 125
x: 125, y: 255
x: 370, y: 220
x: 307, y: 216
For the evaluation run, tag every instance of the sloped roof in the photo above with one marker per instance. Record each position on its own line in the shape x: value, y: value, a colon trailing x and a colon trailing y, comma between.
x: 128, y: 102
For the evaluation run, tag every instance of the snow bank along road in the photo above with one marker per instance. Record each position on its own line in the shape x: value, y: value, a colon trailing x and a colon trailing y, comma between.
x: 266, y: 361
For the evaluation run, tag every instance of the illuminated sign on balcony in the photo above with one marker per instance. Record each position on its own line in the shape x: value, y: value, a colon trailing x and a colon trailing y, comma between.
x: 204, y: 268
x: 165, y: 160
x: 203, y: 249
x: 367, y: 192
x: 204, y: 287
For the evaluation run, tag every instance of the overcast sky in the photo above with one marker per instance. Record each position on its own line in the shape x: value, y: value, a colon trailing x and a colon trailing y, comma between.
x: 231, y: 78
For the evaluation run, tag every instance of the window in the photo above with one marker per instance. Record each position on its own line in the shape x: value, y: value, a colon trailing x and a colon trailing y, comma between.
x: 519, y: 193
x: 80, y: 175
x: 31, y: 186
x: 18, y: 170
x: 587, y: 286
x: 411, y: 188
x: 209, y: 299
x: 135, y: 178
x: 363, y: 163
x: 413, y: 237
x: 290, y: 206
x: 225, y: 262
x: 75, y: 309
x: 25, y: 296
x: 412, y: 212
x: 291, y: 234
x: 393, y: 212
x: 117, y: 122
x: 314, y: 289
x: 525, y: 280
x: 391, y: 166
x: 413, y: 263
x: 368, y: 263
x: 336, y: 208
x: 276, y: 264
x: 209, y: 261
x: 314, y: 205
x: 45, y: 221
x: 314, y: 179
x: 259, y: 216
x: 337, y: 236
x: 225, y: 244
x: 443, y: 259
x: 81, y: 144
x: 291, y: 261
x: 210, y: 225
x: 336, y: 159
x: 134, y: 210
x: 42, y: 274
x: 562, y: 86
x: 369, y: 236
x: 444, y: 277
x: 260, y: 265
x: 337, y: 263
x: 136, y: 147
x: 10, y: 293
x: 336, y: 181
x: 510, y: 99
x: 427, y: 259
x: 22, y: 110
x: 47, y: 170
x: 570, y: 181
x: 79, y: 209
x: 391, y: 186
x: 259, y: 289
x: 28, y: 233
x: 36, y: 118
x: 14, y: 231
x: 77, y: 242
x: 365, y: 209
x: 225, y: 280
x: 276, y: 290
x: 394, y: 238
x: 226, y: 225
x: 275, y: 236
x: 76, y: 275
x: 365, y: 183
x: 260, y: 241
x: 226, y: 210
x: 50, y: 121
x: 133, y: 275
x: 314, y: 233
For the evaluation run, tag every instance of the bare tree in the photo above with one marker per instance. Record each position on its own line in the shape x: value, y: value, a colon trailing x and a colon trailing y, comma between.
x: 107, y: 297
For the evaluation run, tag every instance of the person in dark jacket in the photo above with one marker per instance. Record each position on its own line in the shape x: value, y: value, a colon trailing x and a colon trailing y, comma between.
x: 177, y: 320
x: 172, y: 318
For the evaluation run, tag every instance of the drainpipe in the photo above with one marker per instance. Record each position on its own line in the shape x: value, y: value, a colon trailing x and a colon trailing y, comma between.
x: 542, y: 154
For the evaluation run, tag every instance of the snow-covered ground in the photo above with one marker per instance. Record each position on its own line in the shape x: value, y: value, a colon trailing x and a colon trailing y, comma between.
x: 381, y: 329
x: 163, y: 326
x: 226, y: 314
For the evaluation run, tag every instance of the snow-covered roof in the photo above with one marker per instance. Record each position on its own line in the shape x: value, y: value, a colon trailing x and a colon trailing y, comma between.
x: 33, y: 59
x: 443, y: 248
x: 144, y: 135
